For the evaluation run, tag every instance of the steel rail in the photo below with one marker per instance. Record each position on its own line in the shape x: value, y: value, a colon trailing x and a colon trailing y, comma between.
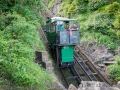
x: 85, y: 66
x: 64, y: 77
x: 103, y: 79
x: 77, y: 74
x: 83, y: 69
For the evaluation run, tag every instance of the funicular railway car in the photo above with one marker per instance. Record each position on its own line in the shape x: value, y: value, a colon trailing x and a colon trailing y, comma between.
x: 63, y: 35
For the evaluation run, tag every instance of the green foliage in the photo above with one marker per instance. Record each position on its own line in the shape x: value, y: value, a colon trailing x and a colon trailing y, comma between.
x: 102, y: 22
x: 6, y: 5
x: 99, y: 39
x: 116, y: 23
x: 81, y: 6
x: 99, y: 22
x: 70, y: 8
x: 28, y: 9
x: 19, y: 29
x: 17, y: 43
x: 114, y: 70
x: 112, y: 33
x: 69, y: 1
x: 107, y: 41
x: 113, y: 8
x: 64, y: 10
x: 19, y: 38
x: 117, y: 58
x: 95, y: 4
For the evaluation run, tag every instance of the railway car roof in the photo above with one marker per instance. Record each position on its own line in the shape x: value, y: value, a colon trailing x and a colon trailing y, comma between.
x: 61, y: 19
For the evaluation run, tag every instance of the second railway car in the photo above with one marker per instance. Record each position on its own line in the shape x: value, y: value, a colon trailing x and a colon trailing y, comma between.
x: 63, y: 35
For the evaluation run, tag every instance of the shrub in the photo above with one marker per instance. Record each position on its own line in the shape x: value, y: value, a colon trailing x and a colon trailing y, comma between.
x: 107, y: 41
x: 113, y: 8
x: 18, y: 39
x: 19, y: 21
x: 117, y: 59
x: 72, y: 9
x: 95, y: 4
x: 81, y: 6
x: 114, y: 70
x: 116, y: 23
x: 99, y: 39
x: 99, y: 22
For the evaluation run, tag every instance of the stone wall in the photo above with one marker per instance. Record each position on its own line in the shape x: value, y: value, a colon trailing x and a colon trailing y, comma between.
x: 42, y: 58
x: 94, y: 85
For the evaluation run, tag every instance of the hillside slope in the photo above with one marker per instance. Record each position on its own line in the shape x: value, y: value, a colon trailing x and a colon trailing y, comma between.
x: 19, y: 38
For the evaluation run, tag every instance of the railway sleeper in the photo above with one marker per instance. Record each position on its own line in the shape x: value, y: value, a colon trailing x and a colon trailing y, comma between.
x: 83, y: 61
x: 93, y: 74
x: 73, y: 77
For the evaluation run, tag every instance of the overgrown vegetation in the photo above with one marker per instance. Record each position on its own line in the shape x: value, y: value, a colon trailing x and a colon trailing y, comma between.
x: 99, y: 21
x: 96, y: 16
x: 102, y: 21
x: 19, y: 38
x: 114, y: 69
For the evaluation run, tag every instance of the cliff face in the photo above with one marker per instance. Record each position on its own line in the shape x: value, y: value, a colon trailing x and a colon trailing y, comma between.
x: 54, y: 8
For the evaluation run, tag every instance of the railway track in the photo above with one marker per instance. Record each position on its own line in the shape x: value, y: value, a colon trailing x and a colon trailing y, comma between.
x: 83, y: 69
x: 71, y: 75
x: 90, y: 68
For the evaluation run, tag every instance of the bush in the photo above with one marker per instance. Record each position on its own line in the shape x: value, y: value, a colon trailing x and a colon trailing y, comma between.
x: 81, y: 6
x: 117, y: 59
x: 107, y: 41
x: 18, y: 40
x: 113, y: 8
x: 95, y: 4
x: 99, y: 22
x: 114, y: 70
x: 117, y: 27
x: 72, y: 7
x: 99, y: 39
x: 117, y: 22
